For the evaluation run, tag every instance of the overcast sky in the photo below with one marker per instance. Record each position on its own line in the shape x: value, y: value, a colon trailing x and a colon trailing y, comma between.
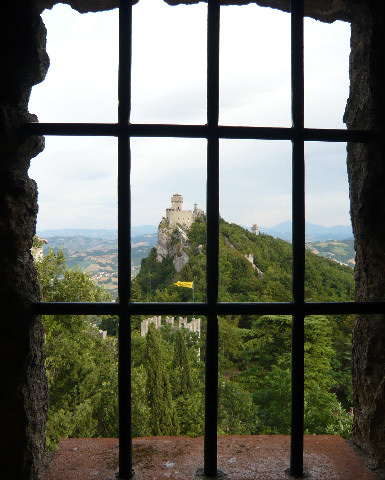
x: 77, y: 176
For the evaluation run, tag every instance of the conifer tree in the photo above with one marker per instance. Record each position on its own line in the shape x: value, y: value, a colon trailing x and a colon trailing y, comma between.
x: 163, y: 418
x: 182, y: 383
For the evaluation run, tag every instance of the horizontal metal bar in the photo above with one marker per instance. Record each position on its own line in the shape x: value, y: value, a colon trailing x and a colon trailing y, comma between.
x: 197, y: 131
x: 76, y: 308
x: 344, y: 308
x: 307, y: 134
x: 72, y: 129
x: 114, y: 130
x: 82, y: 308
x: 336, y: 135
x: 326, y: 308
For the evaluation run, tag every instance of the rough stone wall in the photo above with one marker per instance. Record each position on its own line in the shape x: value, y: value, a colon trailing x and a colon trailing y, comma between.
x: 23, y: 402
x: 82, y: 6
x: 24, y: 398
x: 325, y: 10
x: 183, y: 217
x: 366, y: 168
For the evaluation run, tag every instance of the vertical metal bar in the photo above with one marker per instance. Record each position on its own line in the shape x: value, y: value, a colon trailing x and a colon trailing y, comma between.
x: 298, y: 169
x: 211, y: 379
x: 124, y: 241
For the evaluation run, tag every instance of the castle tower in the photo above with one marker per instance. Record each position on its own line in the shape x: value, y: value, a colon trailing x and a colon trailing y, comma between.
x: 177, y: 202
x: 254, y: 229
x: 176, y: 215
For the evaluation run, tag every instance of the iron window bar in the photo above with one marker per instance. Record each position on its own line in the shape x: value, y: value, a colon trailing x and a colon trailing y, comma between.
x: 279, y: 308
x: 124, y: 241
x: 212, y: 248
x: 298, y: 240
x: 213, y: 132
x: 198, y: 131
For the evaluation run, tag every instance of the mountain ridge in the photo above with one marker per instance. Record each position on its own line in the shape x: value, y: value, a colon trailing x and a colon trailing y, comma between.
x: 283, y: 230
x: 105, y: 234
x: 313, y: 232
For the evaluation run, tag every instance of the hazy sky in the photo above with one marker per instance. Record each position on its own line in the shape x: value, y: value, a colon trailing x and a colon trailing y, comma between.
x: 77, y: 177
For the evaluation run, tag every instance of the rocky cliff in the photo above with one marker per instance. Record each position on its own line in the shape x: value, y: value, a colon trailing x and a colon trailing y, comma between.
x: 172, y: 242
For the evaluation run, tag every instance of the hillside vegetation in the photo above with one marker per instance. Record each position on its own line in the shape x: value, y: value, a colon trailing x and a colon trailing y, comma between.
x: 340, y: 251
x: 254, y: 351
x: 325, y: 280
x: 168, y: 364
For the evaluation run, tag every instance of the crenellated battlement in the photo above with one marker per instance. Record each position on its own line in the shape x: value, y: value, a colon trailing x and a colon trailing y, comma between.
x: 193, y: 326
x: 176, y: 215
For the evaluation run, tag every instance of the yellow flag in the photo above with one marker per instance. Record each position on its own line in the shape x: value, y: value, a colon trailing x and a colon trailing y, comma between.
x: 184, y: 284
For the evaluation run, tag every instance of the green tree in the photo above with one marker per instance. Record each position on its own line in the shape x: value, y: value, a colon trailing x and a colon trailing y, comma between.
x: 81, y: 367
x: 237, y: 414
x: 269, y: 347
x: 181, y: 375
x: 273, y: 401
x: 163, y: 418
x: 50, y: 270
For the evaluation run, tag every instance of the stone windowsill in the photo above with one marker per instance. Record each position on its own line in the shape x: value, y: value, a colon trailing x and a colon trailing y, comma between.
x: 326, y: 457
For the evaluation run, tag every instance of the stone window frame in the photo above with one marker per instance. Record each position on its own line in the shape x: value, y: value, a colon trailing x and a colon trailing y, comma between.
x: 297, y: 134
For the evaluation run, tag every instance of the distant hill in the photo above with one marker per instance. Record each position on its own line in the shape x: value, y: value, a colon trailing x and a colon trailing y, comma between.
x: 313, y: 232
x: 341, y: 251
x: 99, y: 256
x: 95, y: 233
x: 95, y: 251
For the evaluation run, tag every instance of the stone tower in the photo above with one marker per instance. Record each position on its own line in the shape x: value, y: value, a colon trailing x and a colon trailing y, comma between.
x: 254, y: 229
x: 177, y: 202
x: 176, y: 215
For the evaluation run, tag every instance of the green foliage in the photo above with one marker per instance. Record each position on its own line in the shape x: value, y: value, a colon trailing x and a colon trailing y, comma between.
x: 342, y: 423
x: 238, y: 280
x: 141, y: 411
x: 190, y: 409
x: 50, y: 271
x: 168, y: 375
x: 163, y: 418
x: 36, y: 242
x: 268, y: 352
x: 81, y: 367
x: 273, y: 401
x: 82, y: 377
x: 197, y: 234
x: 326, y: 280
x: 110, y: 325
x: 341, y: 251
x: 231, y: 345
x: 237, y: 414
x: 59, y: 284
x: 153, y: 275
x: 181, y: 375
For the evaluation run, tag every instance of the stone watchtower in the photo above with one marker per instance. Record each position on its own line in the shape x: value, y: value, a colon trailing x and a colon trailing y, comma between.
x: 176, y: 215
x: 177, y: 202
x: 254, y: 229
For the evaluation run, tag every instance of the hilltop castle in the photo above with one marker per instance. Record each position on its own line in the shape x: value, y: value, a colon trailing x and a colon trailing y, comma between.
x: 176, y: 214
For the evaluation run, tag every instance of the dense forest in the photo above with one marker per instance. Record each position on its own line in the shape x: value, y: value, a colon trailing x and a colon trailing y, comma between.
x: 168, y: 364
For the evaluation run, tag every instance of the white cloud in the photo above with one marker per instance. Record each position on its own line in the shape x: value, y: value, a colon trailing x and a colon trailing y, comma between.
x: 169, y: 64
x: 81, y: 84
x: 77, y: 177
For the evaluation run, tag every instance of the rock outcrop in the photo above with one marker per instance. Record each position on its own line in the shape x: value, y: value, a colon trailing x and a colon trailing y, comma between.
x: 172, y: 242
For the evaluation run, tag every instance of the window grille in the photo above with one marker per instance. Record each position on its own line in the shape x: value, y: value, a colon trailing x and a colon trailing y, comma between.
x: 298, y: 309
